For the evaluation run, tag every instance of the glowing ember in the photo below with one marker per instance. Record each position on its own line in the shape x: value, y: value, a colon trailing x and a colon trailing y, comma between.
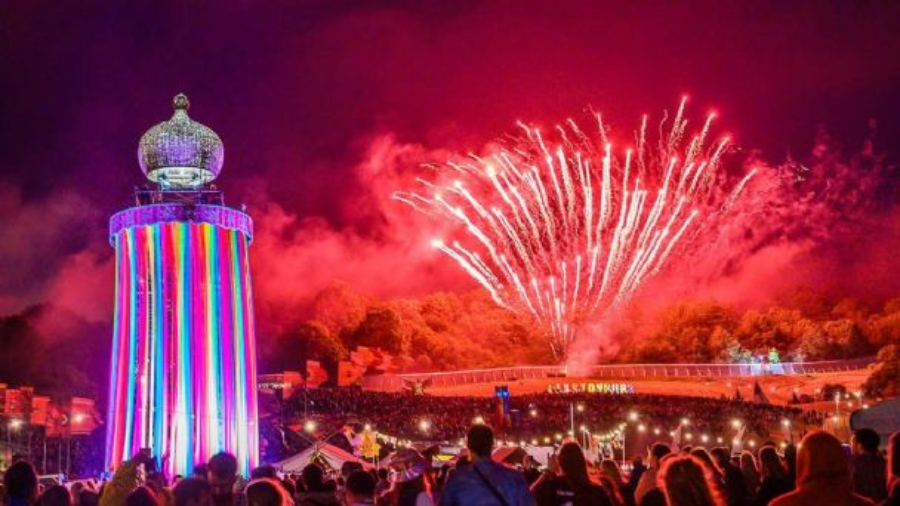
x: 567, y: 227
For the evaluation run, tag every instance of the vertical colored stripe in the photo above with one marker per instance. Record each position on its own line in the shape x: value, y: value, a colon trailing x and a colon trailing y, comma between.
x: 185, y: 345
x: 113, y: 423
x: 240, y: 363
x: 131, y: 361
x: 161, y: 320
x: 249, y: 338
x: 226, y: 364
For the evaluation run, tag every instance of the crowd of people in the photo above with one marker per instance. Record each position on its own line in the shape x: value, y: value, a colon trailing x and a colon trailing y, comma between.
x: 820, y: 471
x: 545, y: 414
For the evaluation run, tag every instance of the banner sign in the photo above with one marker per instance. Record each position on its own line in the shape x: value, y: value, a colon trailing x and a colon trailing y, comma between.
x: 591, y: 388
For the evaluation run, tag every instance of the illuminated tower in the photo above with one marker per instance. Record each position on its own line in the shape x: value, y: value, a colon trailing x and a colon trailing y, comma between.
x: 183, y: 378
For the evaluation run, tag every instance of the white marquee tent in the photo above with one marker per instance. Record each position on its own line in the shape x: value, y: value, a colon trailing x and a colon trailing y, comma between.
x: 334, y: 456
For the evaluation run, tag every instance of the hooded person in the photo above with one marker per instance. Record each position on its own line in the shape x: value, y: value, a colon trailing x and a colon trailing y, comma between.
x: 823, y: 475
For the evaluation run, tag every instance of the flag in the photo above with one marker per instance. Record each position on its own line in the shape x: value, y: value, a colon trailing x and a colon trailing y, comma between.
x: 758, y: 395
x: 83, y: 418
x: 316, y: 375
x: 385, y: 362
x: 676, y: 436
x: 56, y: 421
x: 737, y: 444
x: 787, y: 432
x: 40, y: 406
x: 373, y: 360
x: 499, y: 419
x: 349, y: 373
x: 501, y: 409
x: 363, y: 357
x: 15, y: 403
x: 292, y: 380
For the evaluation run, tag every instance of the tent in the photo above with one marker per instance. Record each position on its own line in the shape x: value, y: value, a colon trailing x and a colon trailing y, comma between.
x: 512, y: 455
x: 324, y: 452
x: 509, y: 455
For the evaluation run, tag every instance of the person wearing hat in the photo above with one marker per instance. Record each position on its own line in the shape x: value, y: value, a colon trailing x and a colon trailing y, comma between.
x: 485, y: 482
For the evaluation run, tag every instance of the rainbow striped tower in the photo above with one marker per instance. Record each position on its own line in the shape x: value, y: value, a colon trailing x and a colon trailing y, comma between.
x: 183, y: 376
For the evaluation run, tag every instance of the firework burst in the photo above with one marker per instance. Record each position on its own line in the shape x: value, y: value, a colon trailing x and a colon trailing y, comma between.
x: 566, y: 227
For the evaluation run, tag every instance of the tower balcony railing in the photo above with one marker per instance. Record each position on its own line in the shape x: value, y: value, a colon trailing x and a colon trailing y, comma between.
x: 168, y: 212
x: 201, y: 196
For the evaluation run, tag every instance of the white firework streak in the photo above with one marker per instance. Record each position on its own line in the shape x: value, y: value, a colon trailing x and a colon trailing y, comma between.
x: 570, y: 230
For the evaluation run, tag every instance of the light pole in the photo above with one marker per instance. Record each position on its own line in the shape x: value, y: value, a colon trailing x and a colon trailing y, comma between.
x: 633, y: 416
x: 572, y: 408
x: 14, y: 424
x: 572, y: 417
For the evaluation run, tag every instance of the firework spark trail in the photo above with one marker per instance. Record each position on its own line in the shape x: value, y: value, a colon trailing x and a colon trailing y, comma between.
x: 570, y: 227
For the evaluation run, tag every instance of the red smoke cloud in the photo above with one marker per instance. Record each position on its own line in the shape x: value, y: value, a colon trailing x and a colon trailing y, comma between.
x: 386, y: 252
x: 293, y: 89
x: 827, y: 221
x: 49, y: 252
x: 781, y: 236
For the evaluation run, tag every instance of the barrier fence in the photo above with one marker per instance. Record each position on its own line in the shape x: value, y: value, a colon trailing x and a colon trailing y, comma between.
x: 396, y: 382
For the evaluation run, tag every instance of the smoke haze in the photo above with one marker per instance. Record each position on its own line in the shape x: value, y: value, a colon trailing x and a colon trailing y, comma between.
x: 327, y: 108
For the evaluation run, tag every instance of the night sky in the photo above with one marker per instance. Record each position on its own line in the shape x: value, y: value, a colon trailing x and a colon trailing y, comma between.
x: 305, y: 94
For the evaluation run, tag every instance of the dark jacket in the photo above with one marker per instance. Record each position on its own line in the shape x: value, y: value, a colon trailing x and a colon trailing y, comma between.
x: 770, y: 488
x: 635, y: 477
x: 472, y: 486
x: 733, y: 485
x: 556, y: 491
x: 869, y: 476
